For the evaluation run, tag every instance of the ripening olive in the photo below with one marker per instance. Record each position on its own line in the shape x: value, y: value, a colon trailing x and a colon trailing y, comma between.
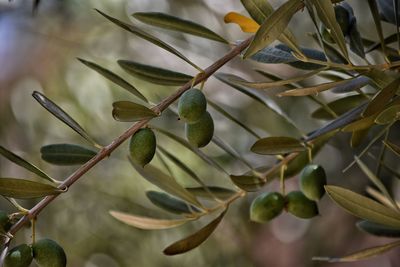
x: 5, y: 223
x: 142, y: 146
x: 47, y: 253
x: 192, y: 105
x: 300, y: 206
x: 19, y: 256
x: 266, y: 207
x: 312, y: 181
x: 199, y: 134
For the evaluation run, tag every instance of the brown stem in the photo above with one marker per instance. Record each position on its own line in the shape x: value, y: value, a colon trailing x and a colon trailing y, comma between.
x: 107, y: 150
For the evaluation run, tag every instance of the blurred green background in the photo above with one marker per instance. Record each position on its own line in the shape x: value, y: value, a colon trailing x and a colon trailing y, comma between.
x: 38, y: 52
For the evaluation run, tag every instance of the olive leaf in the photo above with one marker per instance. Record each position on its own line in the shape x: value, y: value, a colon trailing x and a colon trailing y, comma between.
x: 273, y: 26
x: 389, y: 115
x: 114, y: 78
x: 20, y: 188
x: 373, y: 7
x: 363, y: 207
x: 66, y: 154
x: 169, y: 203
x: 309, y: 54
x: 130, y: 111
x: 378, y: 229
x: 154, y: 74
x: 169, y: 22
x: 339, y: 106
x: 25, y: 164
x: 230, y: 151
x: 394, y: 148
x: 277, y: 145
x: 362, y: 254
x: 165, y: 182
x: 148, y: 37
x: 60, y: 114
x: 248, y: 182
x: 194, y: 240
x: 147, y: 223
x: 219, y: 192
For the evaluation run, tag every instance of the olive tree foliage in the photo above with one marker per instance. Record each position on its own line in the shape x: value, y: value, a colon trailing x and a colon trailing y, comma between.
x: 367, y: 107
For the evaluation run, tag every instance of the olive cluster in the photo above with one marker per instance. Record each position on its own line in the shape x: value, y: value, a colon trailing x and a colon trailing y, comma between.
x: 301, y: 204
x: 45, y: 252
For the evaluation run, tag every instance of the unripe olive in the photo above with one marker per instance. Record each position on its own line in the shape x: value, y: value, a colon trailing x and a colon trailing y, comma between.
x: 300, y: 206
x: 5, y: 223
x: 199, y: 134
x: 266, y: 207
x: 192, y: 105
x: 47, y: 253
x: 312, y: 181
x: 19, y: 256
x: 142, y: 146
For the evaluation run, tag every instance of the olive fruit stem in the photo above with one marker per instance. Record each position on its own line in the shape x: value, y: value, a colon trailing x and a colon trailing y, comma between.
x: 104, y: 152
x: 282, y: 179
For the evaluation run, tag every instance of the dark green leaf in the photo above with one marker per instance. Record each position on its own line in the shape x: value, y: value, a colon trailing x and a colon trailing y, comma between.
x: 273, y: 55
x: 363, y: 207
x: 19, y: 188
x: 388, y: 115
x: 277, y: 145
x: 147, y: 223
x: 248, y: 182
x: 23, y: 163
x: 169, y: 203
x: 339, y: 106
x: 273, y: 26
x: 376, y: 16
x: 130, y: 111
x: 356, y: 44
x: 309, y: 53
x: 66, y: 154
x: 219, y: 192
x: 194, y: 240
x: 114, y: 78
x: 352, y: 85
x: 148, y: 37
x: 62, y: 115
x: 154, y: 74
x: 169, y: 22
x: 378, y: 229
x: 165, y: 182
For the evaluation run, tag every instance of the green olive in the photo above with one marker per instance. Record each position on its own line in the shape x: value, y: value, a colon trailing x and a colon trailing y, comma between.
x: 266, y: 207
x: 300, y: 206
x: 142, y: 146
x: 5, y: 223
x: 47, y: 253
x: 312, y: 181
x: 19, y: 256
x: 199, y: 134
x: 192, y: 105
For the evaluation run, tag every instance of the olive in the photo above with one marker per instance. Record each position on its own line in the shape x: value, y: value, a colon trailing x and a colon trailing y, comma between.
x: 19, y: 256
x: 266, y: 207
x: 312, y: 181
x: 300, y: 206
x: 47, y: 253
x: 199, y: 134
x: 142, y: 146
x: 192, y: 105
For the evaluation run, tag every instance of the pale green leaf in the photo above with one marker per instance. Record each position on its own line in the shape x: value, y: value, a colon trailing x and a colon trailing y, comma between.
x: 277, y: 145
x: 130, y: 111
x: 19, y: 188
x: 248, y: 182
x: 219, y: 192
x: 388, y: 115
x: 169, y: 203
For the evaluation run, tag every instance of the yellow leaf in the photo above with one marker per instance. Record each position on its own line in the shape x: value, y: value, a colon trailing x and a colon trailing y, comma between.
x: 245, y: 23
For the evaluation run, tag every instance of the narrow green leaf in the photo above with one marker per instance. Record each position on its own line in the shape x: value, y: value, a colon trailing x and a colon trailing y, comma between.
x: 165, y: 182
x: 194, y: 240
x: 373, y: 7
x: 277, y: 145
x: 148, y: 37
x: 394, y: 148
x: 130, y: 111
x: 66, y: 154
x: 339, y: 106
x: 308, y: 54
x: 146, y: 223
x: 378, y: 229
x: 381, y: 99
x: 154, y: 74
x: 326, y: 14
x: 220, y: 192
x: 388, y: 115
x: 114, y: 78
x: 229, y: 150
x: 363, y: 207
x: 377, y: 182
x: 62, y: 116
x: 273, y: 26
x: 362, y: 254
x: 355, y: 41
x: 19, y: 188
x: 273, y: 55
x: 169, y: 22
x: 352, y: 85
x: 169, y: 203
x: 360, y: 124
x: 248, y: 182
x: 24, y: 164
